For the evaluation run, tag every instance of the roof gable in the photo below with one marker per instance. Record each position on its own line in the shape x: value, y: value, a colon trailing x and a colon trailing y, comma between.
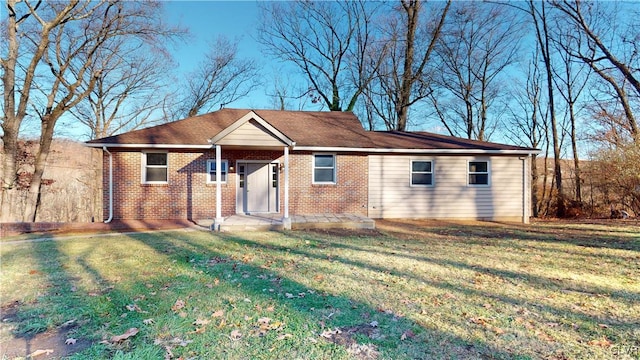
x: 251, y: 130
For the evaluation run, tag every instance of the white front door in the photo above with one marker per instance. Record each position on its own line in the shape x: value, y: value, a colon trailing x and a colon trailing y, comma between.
x: 258, y: 187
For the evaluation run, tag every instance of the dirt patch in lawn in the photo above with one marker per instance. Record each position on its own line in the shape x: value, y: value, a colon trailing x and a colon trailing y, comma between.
x: 51, y: 344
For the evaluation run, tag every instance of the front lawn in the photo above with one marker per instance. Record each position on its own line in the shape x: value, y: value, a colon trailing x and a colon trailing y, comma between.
x: 411, y: 290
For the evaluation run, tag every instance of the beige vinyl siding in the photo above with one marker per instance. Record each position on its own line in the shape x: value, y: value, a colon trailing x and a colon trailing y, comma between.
x: 250, y: 134
x: 392, y: 196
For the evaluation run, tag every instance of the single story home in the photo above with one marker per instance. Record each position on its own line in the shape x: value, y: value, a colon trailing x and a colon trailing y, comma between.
x: 240, y: 161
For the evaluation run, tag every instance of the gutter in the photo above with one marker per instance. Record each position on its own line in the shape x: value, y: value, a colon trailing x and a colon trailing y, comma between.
x: 295, y: 147
x: 104, y: 148
x: 419, y: 151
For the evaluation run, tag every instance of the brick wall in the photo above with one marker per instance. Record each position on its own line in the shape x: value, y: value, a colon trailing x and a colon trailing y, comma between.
x: 188, y: 196
x: 348, y: 196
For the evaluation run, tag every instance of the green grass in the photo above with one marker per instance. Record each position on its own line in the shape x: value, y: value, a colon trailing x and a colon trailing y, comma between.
x: 411, y: 290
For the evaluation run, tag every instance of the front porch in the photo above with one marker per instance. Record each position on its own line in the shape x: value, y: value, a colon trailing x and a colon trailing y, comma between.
x: 266, y: 222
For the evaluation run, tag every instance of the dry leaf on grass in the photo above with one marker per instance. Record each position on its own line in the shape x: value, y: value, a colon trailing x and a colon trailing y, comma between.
x: 284, y: 336
x: 217, y: 313
x: 199, y: 330
x: 41, y: 352
x: 148, y: 321
x: 235, y: 335
x: 127, y: 334
x: 200, y: 322
x: 407, y: 334
x: 179, y: 304
x: 604, y: 342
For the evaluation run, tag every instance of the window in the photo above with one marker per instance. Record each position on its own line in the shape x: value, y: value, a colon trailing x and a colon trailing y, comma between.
x: 422, y: 173
x: 241, y: 176
x: 478, y: 173
x: 324, y: 169
x: 155, y: 167
x: 211, y: 171
x: 274, y: 175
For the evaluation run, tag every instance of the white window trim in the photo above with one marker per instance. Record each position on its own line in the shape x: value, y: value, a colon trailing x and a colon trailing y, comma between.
x: 480, y: 173
x: 433, y: 179
x: 225, y: 166
x: 143, y: 167
x: 313, y: 169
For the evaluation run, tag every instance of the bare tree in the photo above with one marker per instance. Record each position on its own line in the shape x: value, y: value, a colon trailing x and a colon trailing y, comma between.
x: 540, y: 19
x: 526, y: 124
x: 617, y: 62
x: 480, y: 42
x: 53, y: 48
x: 403, y: 79
x: 571, y: 80
x: 329, y: 42
x: 127, y: 93
x: 221, y: 78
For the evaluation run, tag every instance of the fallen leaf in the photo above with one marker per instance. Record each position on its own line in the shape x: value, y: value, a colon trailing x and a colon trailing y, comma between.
x: 200, y: 330
x: 603, y: 326
x: 148, y: 321
x: 235, y: 335
x: 133, y: 307
x: 604, y: 342
x: 407, y: 334
x: 68, y: 323
x: 40, y: 352
x: 284, y: 336
x: 70, y: 341
x: 200, y: 322
x: 264, y: 320
x: 271, y: 308
x: 218, y: 313
x: 289, y: 295
x: 179, y: 304
x: 127, y: 334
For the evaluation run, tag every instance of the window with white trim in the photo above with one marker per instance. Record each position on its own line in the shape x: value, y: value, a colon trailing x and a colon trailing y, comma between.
x: 478, y: 173
x: 421, y: 173
x: 211, y: 171
x: 324, y: 169
x: 155, y: 167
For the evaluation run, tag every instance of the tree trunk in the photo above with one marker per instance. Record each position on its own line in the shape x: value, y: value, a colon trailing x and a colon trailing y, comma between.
x: 35, y: 187
x: 412, y: 8
x: 543, y: 41
x: 534, y: 186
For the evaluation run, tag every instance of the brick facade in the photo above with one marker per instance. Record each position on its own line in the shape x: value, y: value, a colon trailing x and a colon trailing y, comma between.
x: 188, y: 196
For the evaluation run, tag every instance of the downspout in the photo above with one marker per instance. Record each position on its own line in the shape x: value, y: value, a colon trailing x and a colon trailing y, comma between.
x: 104, y: 148
x: 525, y: 212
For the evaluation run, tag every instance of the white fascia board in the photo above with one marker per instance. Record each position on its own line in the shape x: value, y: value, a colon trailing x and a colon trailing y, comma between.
x: 150, y: 146
x: 417, y: 151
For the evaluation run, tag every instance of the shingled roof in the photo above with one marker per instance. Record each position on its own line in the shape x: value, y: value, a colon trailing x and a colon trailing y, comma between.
x: 308, y: 129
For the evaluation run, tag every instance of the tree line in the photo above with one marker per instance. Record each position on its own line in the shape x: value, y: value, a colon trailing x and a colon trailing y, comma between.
x: 561, y: 76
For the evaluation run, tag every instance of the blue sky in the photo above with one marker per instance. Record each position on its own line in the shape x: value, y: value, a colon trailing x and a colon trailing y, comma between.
x: 206, y: 20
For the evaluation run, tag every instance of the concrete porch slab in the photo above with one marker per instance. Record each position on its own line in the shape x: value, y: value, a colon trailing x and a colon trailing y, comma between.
x: 267, y: 222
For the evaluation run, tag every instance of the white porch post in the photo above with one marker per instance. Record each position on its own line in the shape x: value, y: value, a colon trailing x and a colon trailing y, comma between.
x: 286, y: 221
x: 219, y: 219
